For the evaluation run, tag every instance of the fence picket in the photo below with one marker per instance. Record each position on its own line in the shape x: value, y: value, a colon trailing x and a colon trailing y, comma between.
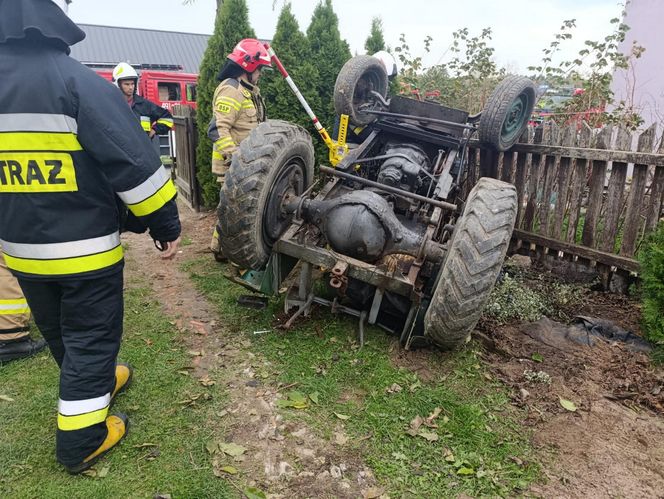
x: 567, y: 139
x: 614, y: 199
x: 633, y: 223
x: 597, y: 178
x: 579, y: 178
x: 551, y: 134
x: 533, y: 183
x: 520, y: 175
x: 656, y: 194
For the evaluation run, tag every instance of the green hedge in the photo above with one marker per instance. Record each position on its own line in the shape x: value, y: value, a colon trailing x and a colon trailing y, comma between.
x: 652, y: 286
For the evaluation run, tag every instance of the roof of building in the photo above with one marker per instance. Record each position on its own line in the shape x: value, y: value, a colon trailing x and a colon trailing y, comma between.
x: 105, y: 46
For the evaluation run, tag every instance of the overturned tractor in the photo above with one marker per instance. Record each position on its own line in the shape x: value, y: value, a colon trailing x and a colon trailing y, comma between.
x: 388, y: 231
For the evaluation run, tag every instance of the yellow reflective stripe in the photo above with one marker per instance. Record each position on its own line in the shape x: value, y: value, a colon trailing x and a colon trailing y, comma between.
x: 19, y: 301
x: 64, y: 266
x: 69, y: 423
x: 247, y: 103
x: 154, y: 202
x: 168, y: 123
x: 224, y: 143
x: 43, y: 141
x: 146, y: 126
x: 216, y: 155
x: 235, y: 104
x: 15, y: 311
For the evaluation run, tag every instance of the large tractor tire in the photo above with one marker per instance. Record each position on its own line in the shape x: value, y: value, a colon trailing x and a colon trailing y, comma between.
x: 507, y: 112
x: 357, y: 78
x: 472, y: 264
x: 274, y: 162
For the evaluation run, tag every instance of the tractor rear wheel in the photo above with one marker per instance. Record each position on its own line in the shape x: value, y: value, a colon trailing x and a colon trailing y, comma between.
x: 275, y: 162
x: 474, y: 258
x: 352, y: 90
x: 507, y: 112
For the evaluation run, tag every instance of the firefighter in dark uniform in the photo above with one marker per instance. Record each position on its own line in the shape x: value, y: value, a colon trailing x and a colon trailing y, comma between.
x: 155, y: 120
x: 237, y: 108
x: 69, y: 147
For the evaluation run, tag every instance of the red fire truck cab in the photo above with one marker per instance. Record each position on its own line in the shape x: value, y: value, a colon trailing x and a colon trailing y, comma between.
x: 164, y: 88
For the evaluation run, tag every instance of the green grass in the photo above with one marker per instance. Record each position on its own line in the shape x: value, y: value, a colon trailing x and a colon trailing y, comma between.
x: 477, y: 430
x: 176, y: 463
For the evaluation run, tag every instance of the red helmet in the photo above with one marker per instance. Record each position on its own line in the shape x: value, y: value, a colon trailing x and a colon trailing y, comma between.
x: 249, y: 54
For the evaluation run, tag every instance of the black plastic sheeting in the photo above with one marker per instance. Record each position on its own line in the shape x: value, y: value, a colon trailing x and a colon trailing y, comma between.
x: 586, y: 331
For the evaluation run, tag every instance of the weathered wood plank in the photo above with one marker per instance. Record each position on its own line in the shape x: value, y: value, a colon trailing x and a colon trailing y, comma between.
x: 536, y: 168
x: 596, y: 189
x: 520, y: 176
x: 615, y: 195
x: 567, y: 139
x: 602, y: 257
x: 632, y: 225
x: 578, y: 184
x: 551, y: 134
x: 506, y: 170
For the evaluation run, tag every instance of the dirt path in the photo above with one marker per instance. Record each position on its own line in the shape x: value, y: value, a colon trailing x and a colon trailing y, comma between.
x: 276, y: 449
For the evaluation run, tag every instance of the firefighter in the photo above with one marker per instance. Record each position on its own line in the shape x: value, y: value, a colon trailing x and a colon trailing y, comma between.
x: 237, y: 108
x: 155, y: 120
x: 15, y: 341
x: 68, y: 147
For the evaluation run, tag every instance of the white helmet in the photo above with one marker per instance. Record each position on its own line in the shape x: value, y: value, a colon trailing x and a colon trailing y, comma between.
x: 63, y: 4
x: 124, y: 71
x: 388, y: 61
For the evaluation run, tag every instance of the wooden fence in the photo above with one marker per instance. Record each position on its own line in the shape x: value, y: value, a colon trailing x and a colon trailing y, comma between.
x: 186, y: 138
x: 578, y: 203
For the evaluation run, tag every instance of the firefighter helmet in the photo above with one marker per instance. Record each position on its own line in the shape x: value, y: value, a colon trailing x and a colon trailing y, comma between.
x: 388, y: 61
x: 250, y: 54
x: 124, y: 71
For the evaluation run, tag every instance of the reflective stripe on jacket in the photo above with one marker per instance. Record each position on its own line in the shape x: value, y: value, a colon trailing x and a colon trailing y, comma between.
x: 152, y: 116
x: 69, y: 147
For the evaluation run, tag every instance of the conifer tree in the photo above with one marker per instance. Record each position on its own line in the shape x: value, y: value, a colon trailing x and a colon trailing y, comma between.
x: 292, y: 48
x: 375, y: 41
x: 329, y: 54
x: 231, y: 26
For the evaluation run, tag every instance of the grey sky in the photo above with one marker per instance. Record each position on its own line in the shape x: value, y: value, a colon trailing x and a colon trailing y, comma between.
x: 521, y: 28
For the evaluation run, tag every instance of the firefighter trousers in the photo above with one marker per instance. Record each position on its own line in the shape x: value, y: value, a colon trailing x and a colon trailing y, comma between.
x: 82, y: 322
x: 14, y: 311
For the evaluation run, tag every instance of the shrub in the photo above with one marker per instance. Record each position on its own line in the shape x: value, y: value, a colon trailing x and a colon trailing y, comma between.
x: 652, y: 286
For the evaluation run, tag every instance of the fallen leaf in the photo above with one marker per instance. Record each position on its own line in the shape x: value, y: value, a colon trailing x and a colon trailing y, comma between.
x: 372, y: 493
x: 395, y: 388
x: 159, y: 495
x: 146, y: 444
x: 206, y: 381
x: 212, y: 446
x: 428, y: 435
x: 195, y: 353
x: 314, y: 397
x: 296, y: 400
x: 184, y: 373
x: 343, y: 417
x: 415, y: 425
x: 232, y: 449
x: 231, y: 470
x: 429, y: 420
x: 537, y: 357
x: 254, y: 493
x: 465, y: 471
x: 449, y: 457
x: 102, y: 473
x: 6, y: 398
x: 567, y: 404
x: 399, y: 456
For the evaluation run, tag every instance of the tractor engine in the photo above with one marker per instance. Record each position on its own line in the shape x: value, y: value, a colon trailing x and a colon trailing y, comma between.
x: 403, y: 167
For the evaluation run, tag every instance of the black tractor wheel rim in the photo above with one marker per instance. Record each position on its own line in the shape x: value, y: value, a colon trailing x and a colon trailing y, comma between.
x: 288, y: 183
x: 368, y: 82
x: 517, y: 117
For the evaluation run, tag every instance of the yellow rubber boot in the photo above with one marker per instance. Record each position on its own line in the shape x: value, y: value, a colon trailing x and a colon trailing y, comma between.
x: 123, y: 376
x: 117, y: 425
